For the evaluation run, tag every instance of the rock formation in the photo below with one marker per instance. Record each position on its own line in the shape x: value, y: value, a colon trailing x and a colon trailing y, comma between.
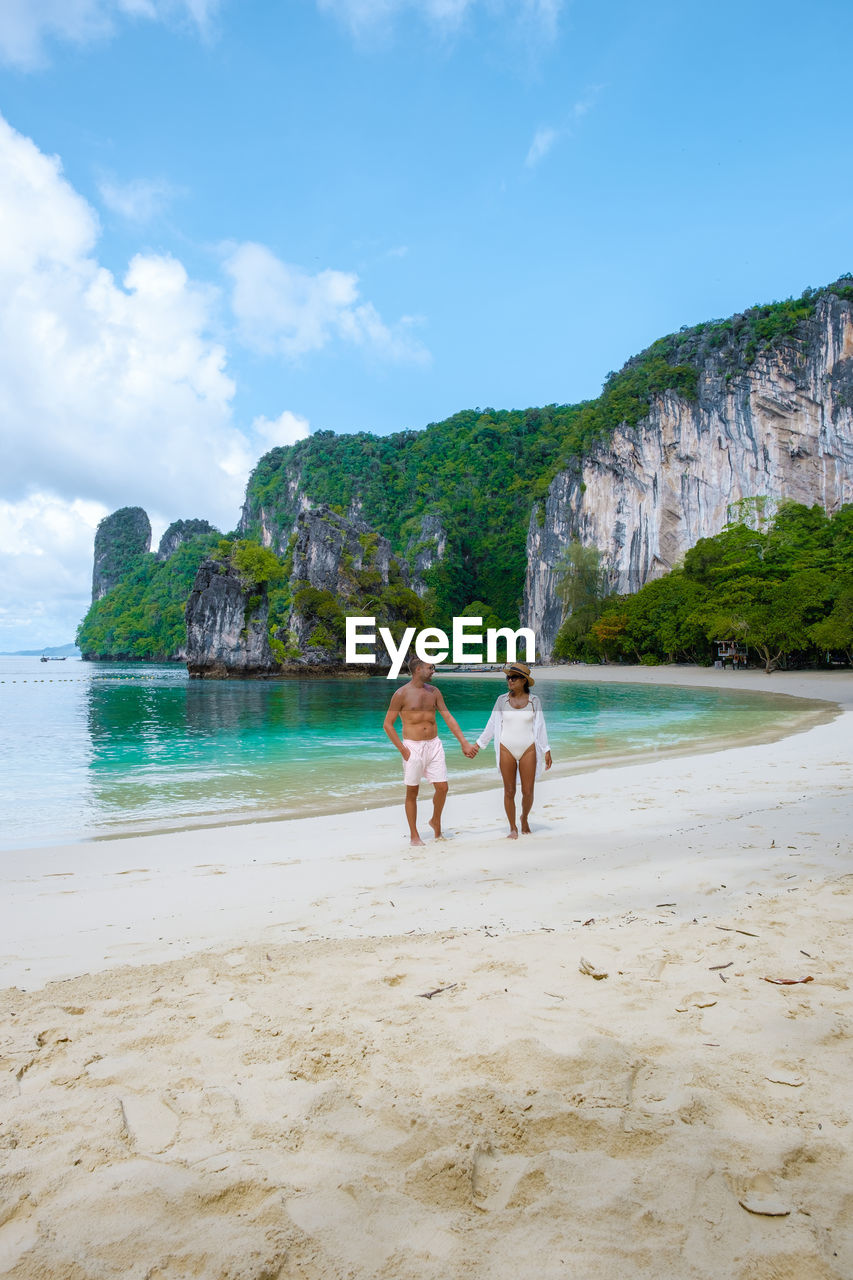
x: 227, y: 625
x: 425, y: 552
x: 337, y: 566
x: 718, y: 422
x: 273, y: 524
x: 781, y: 429
x: 346, y: 561
x: 179, y: 532
x: 330, y: 552
x: 119, y: 537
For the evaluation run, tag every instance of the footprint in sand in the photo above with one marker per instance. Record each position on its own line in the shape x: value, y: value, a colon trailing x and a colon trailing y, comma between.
x: 494, y: 1178
x: 761, y: 1197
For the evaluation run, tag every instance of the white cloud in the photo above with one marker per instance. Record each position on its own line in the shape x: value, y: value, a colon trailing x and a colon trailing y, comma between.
x: 45, y: 567
x: 546, y: 136
x: 285, y: 429
x: 543, y: 141
x: 114, y: 393
x: 446, y: 16
x: 26, y: 26
x: 111, y: 393
x: 139, y: 200
x: 281, y: 308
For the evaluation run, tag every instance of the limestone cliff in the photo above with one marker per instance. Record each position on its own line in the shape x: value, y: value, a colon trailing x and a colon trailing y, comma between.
x: 426, y: 550
x: 137, y: 613
x: 118, y: 539
x: 227, y: 625
x: 777, y: 428
x: 180, y: 532
x: 275, y: 521
x: 340, y: 566
x: 295, y: 620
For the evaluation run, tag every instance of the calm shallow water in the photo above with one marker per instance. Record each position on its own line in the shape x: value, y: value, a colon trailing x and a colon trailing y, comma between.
x: 94, y: 749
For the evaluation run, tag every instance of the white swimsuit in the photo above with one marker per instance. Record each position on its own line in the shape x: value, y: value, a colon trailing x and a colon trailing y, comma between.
x: 517, y: 730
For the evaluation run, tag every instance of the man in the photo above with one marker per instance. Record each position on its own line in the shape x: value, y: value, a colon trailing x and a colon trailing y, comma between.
x: 423, y: 755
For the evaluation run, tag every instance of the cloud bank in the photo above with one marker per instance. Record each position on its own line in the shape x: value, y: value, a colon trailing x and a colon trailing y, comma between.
x: 114, y: 392
x: 106, y: 386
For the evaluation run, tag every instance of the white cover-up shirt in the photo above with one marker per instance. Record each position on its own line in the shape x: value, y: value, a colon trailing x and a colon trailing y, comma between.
x: 495, y: 725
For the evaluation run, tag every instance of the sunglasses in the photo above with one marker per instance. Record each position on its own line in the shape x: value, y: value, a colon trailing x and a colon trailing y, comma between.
x: 515, y: 677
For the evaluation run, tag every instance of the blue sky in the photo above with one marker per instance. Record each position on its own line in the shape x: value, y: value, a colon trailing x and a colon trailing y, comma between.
x: 228, y: 222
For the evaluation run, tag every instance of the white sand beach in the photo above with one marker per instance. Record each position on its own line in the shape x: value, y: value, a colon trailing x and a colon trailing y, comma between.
x: 303, y: 1050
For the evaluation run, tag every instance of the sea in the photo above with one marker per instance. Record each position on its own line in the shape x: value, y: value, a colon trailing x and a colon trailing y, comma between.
x: 104, y: 750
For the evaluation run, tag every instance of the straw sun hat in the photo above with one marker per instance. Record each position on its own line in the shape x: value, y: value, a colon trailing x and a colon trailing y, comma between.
x: 520, y: 669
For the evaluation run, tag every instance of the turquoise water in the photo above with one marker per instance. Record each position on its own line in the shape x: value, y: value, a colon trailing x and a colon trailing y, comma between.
x: 95, y: 749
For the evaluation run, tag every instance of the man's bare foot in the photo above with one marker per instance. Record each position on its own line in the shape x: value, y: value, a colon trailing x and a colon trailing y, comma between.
x: 416, y: 840
x: 436, y: 826
x: 525, y: 828
x: 513, y: 835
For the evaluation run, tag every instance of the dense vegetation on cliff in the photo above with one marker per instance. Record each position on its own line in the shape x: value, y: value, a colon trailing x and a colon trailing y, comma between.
x: 785, y: 592
x: 120, y: 539
x: 482, y: 472
x: 143, y: 616
x: 477, y: 476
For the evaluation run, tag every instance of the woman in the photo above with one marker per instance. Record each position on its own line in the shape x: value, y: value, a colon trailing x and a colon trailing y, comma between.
x: 521, y: 742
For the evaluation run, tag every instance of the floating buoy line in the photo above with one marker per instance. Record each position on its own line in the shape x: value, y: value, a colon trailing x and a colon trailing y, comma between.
x: 70, y: 679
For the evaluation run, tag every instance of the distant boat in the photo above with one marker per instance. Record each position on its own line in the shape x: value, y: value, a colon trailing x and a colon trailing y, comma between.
x: 45, y: 658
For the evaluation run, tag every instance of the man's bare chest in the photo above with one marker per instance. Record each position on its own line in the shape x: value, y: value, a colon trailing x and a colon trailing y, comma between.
x: 417, y: 702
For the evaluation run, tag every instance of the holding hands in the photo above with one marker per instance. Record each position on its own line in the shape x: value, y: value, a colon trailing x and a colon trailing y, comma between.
x: 470, y: 749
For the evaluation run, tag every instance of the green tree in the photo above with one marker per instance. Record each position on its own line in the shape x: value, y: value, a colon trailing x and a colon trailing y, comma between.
x: 255, y: 564
x: 733, y: 553
x: 582, y: 587
x: 608, y: 631
x: 772, y: 617
x: 834, y: 633
x: 659, y: 621
x: 143, y: 616
x: 581, y: 578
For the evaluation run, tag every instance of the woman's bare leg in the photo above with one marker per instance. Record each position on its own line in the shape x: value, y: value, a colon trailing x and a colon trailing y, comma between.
x: 508, y: 773
x: 527, y: 771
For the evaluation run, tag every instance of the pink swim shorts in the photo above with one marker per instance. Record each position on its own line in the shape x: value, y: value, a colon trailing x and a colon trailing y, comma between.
x: 426, y: 762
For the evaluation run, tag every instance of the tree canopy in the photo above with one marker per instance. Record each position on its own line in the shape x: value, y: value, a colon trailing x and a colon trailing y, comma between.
x: 786, y: 593
x: 483, y: 471
x: 143, y: 616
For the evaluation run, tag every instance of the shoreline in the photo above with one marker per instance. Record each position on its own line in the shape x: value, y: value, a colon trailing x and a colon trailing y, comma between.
x: 68, y: 906
x: 225, y: 1057
x: 814, y: 709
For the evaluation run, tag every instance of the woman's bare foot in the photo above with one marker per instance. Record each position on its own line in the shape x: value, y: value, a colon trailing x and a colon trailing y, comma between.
x: 513, y: 835
x: 525, y: 827
x: 416, y: 840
